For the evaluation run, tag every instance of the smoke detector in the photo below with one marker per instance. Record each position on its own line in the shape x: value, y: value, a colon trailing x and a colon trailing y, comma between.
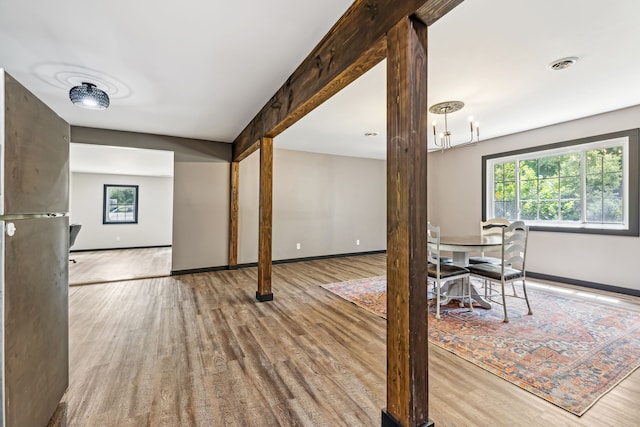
x: 563, y: 63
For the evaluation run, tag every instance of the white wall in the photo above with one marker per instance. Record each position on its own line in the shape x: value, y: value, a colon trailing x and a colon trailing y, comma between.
x: 321, y: 201
x: 201, y: 215
x: 155, y: 212
x: 455, y: 203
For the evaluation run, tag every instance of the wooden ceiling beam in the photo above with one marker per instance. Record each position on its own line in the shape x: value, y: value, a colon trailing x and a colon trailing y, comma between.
x: 352, y: 47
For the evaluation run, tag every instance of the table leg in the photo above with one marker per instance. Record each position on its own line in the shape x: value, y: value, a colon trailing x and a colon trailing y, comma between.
x: 456, y: 287
x: 460, y: 258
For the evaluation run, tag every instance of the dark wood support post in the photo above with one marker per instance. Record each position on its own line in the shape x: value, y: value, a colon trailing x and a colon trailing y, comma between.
x: 264, y: 232
x: 234, y: 189
x: 407, y: 382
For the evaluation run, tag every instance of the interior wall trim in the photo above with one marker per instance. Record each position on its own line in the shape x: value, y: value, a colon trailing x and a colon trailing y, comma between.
x: 119, y: 249
x: 280, y: 261
x: 200, y: 270
x: 584, y: 283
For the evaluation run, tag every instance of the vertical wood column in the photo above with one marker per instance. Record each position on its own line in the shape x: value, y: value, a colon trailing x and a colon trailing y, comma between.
x: 234, y: 191
x: 264, y: 232
x: 407, y: 383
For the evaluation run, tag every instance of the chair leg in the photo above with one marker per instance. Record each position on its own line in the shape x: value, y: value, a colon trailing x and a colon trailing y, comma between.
x: 504, y: 305
x: 488, y: 289
x: 436, y: 284
x: 469, y: 293
x: 513, y: 286
x: 526, y: 298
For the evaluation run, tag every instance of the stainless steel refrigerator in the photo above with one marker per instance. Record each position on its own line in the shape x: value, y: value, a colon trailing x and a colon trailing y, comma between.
x: 34, y: 200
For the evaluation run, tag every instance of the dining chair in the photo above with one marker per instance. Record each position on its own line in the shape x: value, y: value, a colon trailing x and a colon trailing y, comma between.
x: 439, y: 273
x: 444, y: 259
x: 489, y: 227
x: 511, y: 268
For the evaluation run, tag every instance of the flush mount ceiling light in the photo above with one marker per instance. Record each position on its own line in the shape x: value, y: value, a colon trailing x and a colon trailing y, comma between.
x: 89, y: 96
x: 444, y: 141
x: 561, y: 64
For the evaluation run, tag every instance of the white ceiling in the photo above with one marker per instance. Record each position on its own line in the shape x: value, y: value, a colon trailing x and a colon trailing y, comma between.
x: 493, y: 56
x: 191, y: 68
x: 203, y: 69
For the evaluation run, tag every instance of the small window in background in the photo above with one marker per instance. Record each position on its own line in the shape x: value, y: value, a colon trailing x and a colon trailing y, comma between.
x: 120, y: 204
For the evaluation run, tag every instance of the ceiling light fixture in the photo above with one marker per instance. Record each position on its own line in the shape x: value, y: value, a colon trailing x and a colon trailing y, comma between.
x: 444, y: 139
x: 561, y: 64
x: 89, y: 96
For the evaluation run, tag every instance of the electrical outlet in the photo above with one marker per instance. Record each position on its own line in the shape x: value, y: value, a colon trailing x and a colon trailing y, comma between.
x: 358, y: 242
x: 117, y: 238
x: 297, y: 245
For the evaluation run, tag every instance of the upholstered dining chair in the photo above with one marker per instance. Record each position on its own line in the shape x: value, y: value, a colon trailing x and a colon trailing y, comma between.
x: 491, y: 226
x: 511, y: 268
x: 439, y: 273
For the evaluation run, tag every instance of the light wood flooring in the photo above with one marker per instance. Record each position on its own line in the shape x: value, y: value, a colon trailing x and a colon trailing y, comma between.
x: 198, y: 350
x: 116, y: 265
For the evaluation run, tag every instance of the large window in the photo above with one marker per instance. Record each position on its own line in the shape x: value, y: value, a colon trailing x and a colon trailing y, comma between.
x: 588, y: 185
x: 120, y: 204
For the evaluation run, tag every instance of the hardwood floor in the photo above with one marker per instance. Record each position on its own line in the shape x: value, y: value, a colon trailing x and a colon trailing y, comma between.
x: 199, y: 350
x: 116, y: 265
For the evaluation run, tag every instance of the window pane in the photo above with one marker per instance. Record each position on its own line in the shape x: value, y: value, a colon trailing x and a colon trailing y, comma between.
x: 498, y: 174
x: 529, y: 169
x: 612, y: 210
x: 549, y: 210
x: 570, y: 188
x: 612, y: 160
x: 594, y: 209
x: 612, y: 184
x: 570, y: 165
x: 498, y: 210
x: 120, y: 204
x: 529, y: 210
x: 509, y: 191
x: 549, y: 189
x: 594, y: 186
x: 510, y: 171
x: 594, y: 161
x: 509, y: 210
x: 498, y: 192
x: 548, y: 167
x: 571, y: 210
x: 529, y: 190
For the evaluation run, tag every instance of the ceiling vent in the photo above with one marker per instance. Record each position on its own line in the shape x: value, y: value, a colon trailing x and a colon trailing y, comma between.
x: 563, y: 63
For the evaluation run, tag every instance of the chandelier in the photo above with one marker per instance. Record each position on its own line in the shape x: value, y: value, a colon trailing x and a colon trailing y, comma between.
x: 443, y: 141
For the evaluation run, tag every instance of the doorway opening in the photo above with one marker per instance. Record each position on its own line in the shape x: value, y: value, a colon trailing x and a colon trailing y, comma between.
x: 106, y: 251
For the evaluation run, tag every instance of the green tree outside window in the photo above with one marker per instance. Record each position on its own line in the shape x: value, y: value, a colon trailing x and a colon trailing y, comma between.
x: 555, y: 188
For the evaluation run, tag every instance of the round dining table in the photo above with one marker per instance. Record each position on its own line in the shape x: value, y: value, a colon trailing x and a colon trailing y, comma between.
x: 462, y: 246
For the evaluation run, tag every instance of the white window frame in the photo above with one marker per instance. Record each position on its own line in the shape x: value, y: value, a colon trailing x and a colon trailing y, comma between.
x: 628, y: 140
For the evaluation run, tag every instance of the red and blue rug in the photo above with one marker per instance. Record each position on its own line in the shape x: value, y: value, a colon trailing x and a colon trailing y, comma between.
x: 570, y: 352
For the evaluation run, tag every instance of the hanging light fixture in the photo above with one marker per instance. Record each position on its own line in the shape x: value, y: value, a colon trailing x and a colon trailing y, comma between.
x: 443, y: 140
x: 89, y: 96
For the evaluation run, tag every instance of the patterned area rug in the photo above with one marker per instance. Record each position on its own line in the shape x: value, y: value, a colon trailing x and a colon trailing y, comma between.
x: 570, y: 352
